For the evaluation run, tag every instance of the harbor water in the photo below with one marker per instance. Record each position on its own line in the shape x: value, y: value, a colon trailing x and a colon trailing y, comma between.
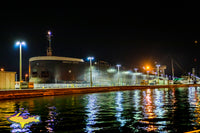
x: 141, y: 110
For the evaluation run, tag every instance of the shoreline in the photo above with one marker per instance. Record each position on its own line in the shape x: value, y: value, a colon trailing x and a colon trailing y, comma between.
x: 30, y: 93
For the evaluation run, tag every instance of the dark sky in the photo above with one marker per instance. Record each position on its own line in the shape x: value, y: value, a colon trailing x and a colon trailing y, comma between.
x: 127, y: 36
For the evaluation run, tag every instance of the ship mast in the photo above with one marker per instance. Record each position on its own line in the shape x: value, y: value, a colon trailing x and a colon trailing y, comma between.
x: 49, y: 49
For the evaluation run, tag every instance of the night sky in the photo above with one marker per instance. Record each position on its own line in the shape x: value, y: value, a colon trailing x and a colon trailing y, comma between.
x: 130, y: 37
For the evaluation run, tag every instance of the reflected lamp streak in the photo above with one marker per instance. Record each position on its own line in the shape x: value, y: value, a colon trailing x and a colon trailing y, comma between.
x: 92, y: 108
x: 119, y: 109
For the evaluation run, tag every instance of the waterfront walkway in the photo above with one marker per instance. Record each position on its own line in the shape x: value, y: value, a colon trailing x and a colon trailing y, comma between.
x: 26, y: 93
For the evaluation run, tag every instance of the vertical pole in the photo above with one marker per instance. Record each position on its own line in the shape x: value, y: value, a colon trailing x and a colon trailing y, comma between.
x: 91, y: 73
x: 163, y: 76
x: 172, y: 70
x: 118, y: 74
x: 20, y: 66
x: 158, y: 73
x: 135, y: 76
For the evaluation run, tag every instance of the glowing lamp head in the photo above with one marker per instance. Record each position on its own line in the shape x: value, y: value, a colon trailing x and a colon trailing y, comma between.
x: 20, y: 43
x: 90, y: 58
x: 147, y: 67
x: 49, y: 32
x: 118, y: 65
x: 157, y: 65
x: 23, y: 43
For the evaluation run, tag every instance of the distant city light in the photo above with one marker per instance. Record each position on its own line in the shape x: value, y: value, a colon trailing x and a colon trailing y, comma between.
x: 126, y: 72
x: 136, y: 69
x: 111, y: 70
x: 49, y: 32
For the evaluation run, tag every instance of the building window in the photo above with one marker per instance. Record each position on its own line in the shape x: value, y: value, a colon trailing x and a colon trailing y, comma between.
x: 34, y: 74
x: 44, y: 74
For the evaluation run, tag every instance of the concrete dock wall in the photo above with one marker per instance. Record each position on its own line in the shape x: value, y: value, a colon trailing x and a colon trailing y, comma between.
x: 7, y: 80
x: 14, y: 94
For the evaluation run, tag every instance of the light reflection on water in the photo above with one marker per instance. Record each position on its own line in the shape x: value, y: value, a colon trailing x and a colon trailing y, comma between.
x: 119, y: 109
x: 145, y: 110
x: 92, y: 112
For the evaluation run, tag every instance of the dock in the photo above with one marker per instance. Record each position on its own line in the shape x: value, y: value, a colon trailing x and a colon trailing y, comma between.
x: 28, y: 93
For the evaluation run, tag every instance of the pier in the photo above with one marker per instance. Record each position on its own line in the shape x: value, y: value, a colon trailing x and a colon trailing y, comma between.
x: 28, y: 93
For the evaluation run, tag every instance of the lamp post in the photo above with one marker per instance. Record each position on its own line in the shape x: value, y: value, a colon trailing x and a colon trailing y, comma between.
x: 118, y: 66
x: 26, y: 76
x: 136, y: 69
x: 158, y: 72
x: 90, y: 58
x: 18, y: 43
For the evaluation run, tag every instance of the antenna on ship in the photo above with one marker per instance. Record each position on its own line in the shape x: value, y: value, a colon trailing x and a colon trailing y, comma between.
x: 49, y: 49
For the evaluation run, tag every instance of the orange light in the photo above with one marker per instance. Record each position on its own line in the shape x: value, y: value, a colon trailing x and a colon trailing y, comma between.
x: 2, y: 69
x: 147, y: 67
x: 26, y: 75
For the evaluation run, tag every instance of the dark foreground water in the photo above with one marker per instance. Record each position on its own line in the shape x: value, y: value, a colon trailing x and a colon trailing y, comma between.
x: 148, y: 110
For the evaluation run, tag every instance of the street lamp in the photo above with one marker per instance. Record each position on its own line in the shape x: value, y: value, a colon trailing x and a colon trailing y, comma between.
x: 118, y: 66
x: 90, y: 58
x: 26, y: 76
x: 158, y: 72
x: 136, y: 69
x: 18, y: 43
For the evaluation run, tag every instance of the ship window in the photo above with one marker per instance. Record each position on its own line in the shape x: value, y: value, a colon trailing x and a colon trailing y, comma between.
x: 34, y: 74
x: 44, y: 74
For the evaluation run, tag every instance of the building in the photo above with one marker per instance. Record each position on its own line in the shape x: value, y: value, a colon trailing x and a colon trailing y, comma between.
x: 7, y: 80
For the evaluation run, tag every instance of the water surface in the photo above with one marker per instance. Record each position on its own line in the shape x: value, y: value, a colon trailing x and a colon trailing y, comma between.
x: 142, y: 110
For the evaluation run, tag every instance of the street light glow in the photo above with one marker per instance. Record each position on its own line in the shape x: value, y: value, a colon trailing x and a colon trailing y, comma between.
x: 118, y: 65
x: 23, y: 43
x: 49, y: 32
x: 157, y: 65
x: 90, y: 58
x: 20, y: 43
x: 136, y: 69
